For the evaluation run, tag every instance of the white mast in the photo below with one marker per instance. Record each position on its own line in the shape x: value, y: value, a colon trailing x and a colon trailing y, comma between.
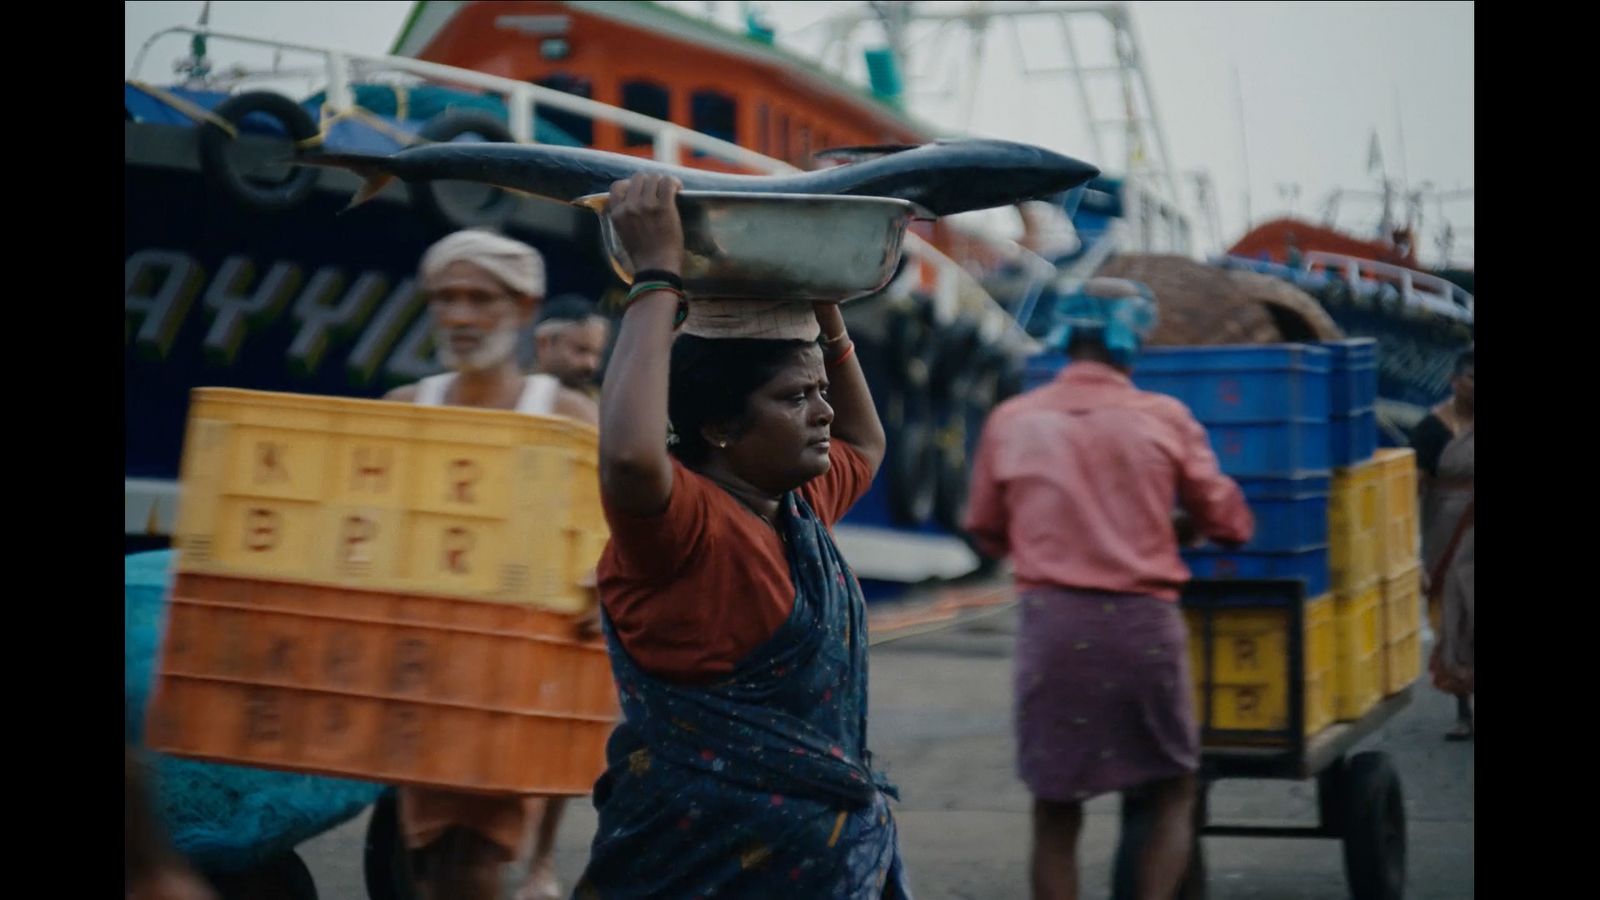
x: 1146, y: 163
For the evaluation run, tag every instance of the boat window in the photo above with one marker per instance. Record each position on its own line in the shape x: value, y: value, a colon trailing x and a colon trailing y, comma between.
x: 579, y: 127
x: 713, y: 113
x: 649, y: 99
x: 763, y: 126
x: 802, y: 155
x: 780, y: 143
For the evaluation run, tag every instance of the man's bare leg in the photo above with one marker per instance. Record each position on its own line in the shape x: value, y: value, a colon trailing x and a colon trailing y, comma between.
x: 460, y: 865
x: 1166, y: 850
x: 541, y: 881
x: 1055, y: 849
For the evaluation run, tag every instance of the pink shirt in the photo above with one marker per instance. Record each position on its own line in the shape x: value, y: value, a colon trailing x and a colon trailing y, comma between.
x: 1077, y: 482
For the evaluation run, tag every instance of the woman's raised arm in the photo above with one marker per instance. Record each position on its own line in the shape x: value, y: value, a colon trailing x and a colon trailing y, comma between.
x: 635, y: 473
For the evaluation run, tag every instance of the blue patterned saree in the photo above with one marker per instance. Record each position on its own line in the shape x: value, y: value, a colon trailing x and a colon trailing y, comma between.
x: 760, y: 784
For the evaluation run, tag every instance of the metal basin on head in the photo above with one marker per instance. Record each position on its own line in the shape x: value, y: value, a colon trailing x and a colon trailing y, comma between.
x: 799, y: 247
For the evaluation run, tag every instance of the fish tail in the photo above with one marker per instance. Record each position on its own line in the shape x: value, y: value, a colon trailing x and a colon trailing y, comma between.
x: 363, y: 164
x: 370, y: 188
x: 371, y: 168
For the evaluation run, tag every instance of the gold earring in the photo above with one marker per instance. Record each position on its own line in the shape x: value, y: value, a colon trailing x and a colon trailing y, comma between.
x: 722, y: 444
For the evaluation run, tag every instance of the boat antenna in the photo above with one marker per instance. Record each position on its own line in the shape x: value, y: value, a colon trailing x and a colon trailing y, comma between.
x: 1385, y: 185
x: 1244, y: 145
x: 196, y: 67
x: 1400, y: 140
x: 895, y: 17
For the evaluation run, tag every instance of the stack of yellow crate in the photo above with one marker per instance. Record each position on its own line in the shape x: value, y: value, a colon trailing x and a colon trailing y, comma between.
x: 1400, y: 568
x: 1356, y: 535
x: 1250, y: 678
x: 465, y: 503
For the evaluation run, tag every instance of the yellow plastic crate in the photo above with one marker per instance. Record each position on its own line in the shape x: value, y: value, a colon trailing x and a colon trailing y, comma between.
x: 1355, y: 526
x: 1319, y: 701
x: 1265, y: 707
x: 1402, y: 663
x: 1250, y: 666
x: 1400, y: 545
x: 465, y: 503
x: 1359, y: 667
x: 1321, y: 638
x: 1402, y: 604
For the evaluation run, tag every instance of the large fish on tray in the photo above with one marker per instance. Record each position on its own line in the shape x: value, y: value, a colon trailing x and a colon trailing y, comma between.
x: 943, y: 178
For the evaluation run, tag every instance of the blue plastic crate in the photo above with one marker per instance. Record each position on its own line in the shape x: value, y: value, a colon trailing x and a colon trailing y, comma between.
x: 1271, y: 449
x: 1244, y: 384
x: 1352, y: 439
x: 1291, y: 513
x: 1042, y: 369
x: 1310, y: 566
x: 1353, y: 375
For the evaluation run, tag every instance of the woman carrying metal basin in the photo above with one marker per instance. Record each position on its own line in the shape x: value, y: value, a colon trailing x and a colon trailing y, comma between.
x: 736, y: 629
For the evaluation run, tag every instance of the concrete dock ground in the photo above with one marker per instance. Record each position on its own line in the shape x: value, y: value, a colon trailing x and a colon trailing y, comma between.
x: 940, y: 725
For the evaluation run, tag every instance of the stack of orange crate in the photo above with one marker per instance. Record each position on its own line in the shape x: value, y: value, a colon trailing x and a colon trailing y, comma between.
x: 385, y: 591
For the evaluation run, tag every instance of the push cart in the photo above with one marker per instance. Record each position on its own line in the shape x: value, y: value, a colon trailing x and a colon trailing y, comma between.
x: 1359, y: 798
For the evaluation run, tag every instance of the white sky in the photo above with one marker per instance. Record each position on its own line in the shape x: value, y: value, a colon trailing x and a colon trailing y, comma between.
x: 1315, y: 79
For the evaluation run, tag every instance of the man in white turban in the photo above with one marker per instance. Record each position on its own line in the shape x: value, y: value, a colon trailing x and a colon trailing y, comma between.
x: 482, y: 290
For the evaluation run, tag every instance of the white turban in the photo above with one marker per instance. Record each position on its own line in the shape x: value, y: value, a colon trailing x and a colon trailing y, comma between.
x: 772, y: 320
x: 516, y: 265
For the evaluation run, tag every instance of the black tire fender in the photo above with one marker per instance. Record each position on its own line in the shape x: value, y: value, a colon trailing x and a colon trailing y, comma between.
x: 973, y: 394
x: 224, y: 176
x: 952, y: 356
x: 445, y: 127
x: 954, y: 470
x: 912, y: 461
x: 907, y: 344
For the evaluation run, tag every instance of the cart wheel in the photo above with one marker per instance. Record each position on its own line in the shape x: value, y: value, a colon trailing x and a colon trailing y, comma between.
x: 283, y: 877
x: 1374, y: 827
x: 384, y: 858
x: 1136, y: 815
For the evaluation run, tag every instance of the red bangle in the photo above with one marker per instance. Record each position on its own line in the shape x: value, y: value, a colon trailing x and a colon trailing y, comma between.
x: 849, y: 349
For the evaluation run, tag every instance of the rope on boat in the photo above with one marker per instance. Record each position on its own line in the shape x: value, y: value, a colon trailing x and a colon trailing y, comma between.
x: 192, y: 110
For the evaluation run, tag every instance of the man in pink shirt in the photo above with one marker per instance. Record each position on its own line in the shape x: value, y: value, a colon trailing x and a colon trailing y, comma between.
x: 1076, y: 481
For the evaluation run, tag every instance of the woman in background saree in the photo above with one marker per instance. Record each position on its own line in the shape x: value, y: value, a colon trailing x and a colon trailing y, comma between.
x: 1448, y: 549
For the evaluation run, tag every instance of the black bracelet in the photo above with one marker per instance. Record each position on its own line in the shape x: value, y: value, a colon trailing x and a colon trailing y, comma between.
x: 671, y: 278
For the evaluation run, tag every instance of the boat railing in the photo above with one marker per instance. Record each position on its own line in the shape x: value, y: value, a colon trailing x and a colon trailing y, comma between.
x: 522, y: 99
x: 1418, y: 290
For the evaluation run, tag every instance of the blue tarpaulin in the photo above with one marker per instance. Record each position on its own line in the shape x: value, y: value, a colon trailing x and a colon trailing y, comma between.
x: 225, y: 818
x: 347, y: 135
